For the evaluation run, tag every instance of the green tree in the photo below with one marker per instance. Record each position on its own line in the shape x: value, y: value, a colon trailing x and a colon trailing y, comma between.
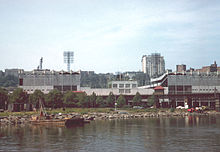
x: 36, y: 97
x: 18, y: 98
x: 151, y: 101
x: 83, y: 100
x: 100, y: 102
x: 3, y: 98
x: 137, y: 99
x: 121, y: 101
x: 70, y: 99
x: 110, y: 100
x: 92, y: 100
x: 54, y: 99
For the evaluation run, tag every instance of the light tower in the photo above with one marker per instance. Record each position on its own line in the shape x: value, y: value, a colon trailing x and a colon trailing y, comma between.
x: 39, y: 67
x: 68, y: 58
x: 41, y: 63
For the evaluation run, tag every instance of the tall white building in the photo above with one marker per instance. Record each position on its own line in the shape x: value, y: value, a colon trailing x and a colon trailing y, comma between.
x: 153, y: 65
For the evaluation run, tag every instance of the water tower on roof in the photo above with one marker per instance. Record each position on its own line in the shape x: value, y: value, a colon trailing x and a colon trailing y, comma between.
x: 68, y: 58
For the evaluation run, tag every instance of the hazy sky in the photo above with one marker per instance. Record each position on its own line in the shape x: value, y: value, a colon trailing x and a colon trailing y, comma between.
x: 108, y: 35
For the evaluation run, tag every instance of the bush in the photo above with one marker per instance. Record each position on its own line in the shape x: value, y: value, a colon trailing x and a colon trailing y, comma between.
x: 172, y: 109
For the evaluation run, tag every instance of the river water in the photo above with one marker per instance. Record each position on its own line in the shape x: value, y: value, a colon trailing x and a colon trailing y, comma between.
x: 191, y: 133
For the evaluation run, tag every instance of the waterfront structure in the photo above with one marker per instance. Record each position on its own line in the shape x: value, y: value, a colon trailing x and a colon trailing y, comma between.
x: 153, y: 65
x: 181, y: 68
x: 46, y: 80
x: 126, y: 88
x: 188, y: 89
x: 194, y: 88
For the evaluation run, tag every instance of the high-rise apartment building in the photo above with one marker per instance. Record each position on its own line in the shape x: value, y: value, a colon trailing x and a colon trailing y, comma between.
x: 153, y: 65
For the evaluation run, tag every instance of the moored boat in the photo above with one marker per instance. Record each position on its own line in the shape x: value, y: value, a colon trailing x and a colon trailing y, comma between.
x: 44, y: 119
x: 67, y: 122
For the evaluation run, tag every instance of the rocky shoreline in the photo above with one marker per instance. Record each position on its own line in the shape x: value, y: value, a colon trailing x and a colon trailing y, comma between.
x: 14, y: 120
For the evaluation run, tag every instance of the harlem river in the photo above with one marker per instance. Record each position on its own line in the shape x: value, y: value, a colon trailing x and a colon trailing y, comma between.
x: 191, y: 133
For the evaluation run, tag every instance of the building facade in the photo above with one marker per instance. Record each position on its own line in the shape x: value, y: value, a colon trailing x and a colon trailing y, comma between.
x: 194, y: 88
x: 181, y: 68
x: 13, y: 72
x: 211, y: 68
x: 153, y: 65
x: 46, y: 80
x: 123, y: 86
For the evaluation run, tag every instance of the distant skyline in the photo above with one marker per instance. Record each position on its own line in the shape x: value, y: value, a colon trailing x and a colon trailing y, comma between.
x: 108, y: 35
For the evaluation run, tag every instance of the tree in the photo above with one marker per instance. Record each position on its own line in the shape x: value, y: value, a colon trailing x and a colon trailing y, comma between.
x: 70, y: 99
x: 83, y: 100
x: 121, y: 101
x: 110, y: 100
x: 100, y: 102
x: 54, y: 99
x: 137, y: 99
x: 36, y: 97
x: 92, y: 100
x: 3, y: 98
x: 151, y: 101
x: 18, y: 98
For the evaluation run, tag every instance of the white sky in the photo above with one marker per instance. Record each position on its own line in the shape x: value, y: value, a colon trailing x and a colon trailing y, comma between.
x: 108, y: 35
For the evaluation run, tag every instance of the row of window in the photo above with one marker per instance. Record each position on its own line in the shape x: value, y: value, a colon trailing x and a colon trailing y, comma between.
x: 124, y: 85
x: 124, y: 90
x: 38, y: 89
x: 203, y: 89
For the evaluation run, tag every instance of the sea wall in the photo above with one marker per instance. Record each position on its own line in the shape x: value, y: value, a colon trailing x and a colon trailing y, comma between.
x: 13, y: 120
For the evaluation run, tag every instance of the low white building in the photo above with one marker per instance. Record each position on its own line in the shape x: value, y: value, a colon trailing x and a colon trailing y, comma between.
x: 123, y: 86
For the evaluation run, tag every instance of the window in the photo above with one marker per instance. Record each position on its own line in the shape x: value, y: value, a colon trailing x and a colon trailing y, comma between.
x: 134, y: 85
x: 171, y: 89
x: 121, y: 85
x: 127, y: 90
x: 114, y: 86
x: 121, y: 90
x: 21, y: 82
x: 127, y: 85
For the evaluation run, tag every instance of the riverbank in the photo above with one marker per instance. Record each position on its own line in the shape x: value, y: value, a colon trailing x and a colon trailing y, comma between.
x: 13, y: 118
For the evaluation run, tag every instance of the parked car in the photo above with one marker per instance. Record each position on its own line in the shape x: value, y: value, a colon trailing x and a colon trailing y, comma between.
x: 180, y: 107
